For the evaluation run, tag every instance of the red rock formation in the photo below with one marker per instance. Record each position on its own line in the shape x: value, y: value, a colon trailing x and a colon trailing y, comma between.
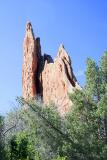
x: 51, y: 80
x: 58, y: 79
x: 29, y: 63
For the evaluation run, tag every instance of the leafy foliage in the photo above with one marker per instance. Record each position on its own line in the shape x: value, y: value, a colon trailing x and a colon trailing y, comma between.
x: 2, y: 151
x: 40, y: 133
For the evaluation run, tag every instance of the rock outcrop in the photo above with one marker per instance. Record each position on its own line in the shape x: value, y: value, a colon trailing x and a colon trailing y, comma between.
x: 50, y: 79
x: 29, y: 63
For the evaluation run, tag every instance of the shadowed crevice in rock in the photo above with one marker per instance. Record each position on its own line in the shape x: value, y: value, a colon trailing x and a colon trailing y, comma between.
x: 48, y: 58
x: 39, y: 68
x: 68, y: 75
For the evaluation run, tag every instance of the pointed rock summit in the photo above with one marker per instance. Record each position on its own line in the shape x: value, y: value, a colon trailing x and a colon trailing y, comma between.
x: 50, y: 79
x: 29, y: 63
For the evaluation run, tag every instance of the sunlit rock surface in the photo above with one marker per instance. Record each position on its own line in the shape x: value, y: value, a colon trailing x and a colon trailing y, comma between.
x: 42, y: 76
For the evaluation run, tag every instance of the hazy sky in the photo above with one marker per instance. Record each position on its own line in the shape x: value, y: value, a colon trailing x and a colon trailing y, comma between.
x: 81, y: 25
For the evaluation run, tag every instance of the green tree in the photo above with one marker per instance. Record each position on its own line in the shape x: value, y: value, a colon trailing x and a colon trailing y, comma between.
x: 93, y: 80
x: 80, y: 135
x: 21, y: 148
x: 103, y: 68
x: 2, y: 150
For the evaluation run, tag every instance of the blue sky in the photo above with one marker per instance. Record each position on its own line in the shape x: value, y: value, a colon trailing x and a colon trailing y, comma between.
x: 81, y: 25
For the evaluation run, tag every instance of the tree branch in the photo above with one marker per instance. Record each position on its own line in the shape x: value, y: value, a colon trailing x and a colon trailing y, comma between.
x: 9, y: 129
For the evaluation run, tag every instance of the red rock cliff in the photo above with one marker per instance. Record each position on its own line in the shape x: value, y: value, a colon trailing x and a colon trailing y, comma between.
x: 51, y: 80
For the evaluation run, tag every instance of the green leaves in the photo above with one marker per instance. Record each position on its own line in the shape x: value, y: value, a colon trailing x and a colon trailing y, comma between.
x: 2, y: 150
x: 41, y: 134
x: 21, y: 147
x: 103, y: 67
x: 93, y: 80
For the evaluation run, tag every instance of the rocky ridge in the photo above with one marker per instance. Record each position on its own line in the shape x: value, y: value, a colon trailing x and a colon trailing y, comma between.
x: 42, y: 76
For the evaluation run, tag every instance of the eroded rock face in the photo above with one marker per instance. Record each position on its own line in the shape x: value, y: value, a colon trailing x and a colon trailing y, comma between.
x: 51, y: 80
x: 58, y: 79
x: 29, y: 63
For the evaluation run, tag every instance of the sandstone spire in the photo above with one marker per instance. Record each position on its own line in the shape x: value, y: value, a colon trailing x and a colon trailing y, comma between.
x: 58, y: 79
x: 51, y: 79
x: 29, y: 63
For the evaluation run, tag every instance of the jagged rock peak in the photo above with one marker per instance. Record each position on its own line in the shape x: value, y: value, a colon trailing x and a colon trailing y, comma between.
x: 62, y: 53
x: 28, y: 26
x: 49, y: 79
x: 61, y: 47
x: 29, y: 30
x: 29, y: 63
